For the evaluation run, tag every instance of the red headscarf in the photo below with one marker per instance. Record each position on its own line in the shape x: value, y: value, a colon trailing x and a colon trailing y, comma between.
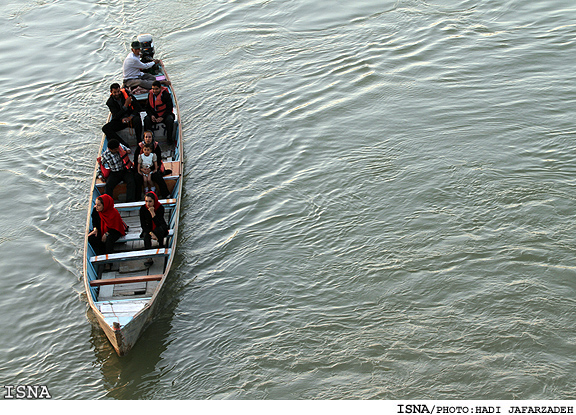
x: 157, y: 205
x: 110, y: 217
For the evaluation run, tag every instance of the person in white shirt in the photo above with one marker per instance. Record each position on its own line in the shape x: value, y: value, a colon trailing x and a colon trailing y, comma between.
x: 133, y: 66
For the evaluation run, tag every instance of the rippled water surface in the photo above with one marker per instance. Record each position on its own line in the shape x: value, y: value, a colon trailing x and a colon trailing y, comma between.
x: 378, y: 199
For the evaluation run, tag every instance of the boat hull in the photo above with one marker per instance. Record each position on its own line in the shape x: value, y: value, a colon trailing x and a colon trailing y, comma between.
x: 123, y: 338
x: 124, y: 310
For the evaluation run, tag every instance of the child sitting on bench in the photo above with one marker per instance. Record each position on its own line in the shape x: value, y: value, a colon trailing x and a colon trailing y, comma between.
x: 147, y: 165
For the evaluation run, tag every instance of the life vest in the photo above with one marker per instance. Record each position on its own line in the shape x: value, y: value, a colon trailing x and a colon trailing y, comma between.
x: 125, y: 158
x: 156, y: 102
x: 141, y: 144
x: 125, y: 97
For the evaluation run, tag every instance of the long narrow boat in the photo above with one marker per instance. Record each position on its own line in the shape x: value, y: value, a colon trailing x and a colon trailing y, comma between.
x: 123, y: 289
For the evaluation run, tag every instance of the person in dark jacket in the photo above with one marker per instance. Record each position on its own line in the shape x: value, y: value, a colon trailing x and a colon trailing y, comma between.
x: 107, y: 224
x: 152, y: 221
x: 160, y: 109
x: 125, y: 112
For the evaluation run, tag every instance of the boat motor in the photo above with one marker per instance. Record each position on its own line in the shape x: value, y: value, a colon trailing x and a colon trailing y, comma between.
x: 147, y: 51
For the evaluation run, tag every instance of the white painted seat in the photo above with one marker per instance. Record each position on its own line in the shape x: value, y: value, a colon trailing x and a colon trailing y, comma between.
x: 137, y: 205
x: 130, y: 255
x: 135, y: 236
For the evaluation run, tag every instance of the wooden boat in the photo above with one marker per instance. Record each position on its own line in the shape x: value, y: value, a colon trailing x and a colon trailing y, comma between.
x: 122, y: 291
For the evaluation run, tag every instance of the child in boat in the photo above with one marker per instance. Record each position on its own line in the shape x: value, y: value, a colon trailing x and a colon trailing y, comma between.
x: 147, y: 165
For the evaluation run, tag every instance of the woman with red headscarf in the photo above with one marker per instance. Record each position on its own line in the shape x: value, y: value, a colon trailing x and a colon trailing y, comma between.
x: 152, y: 221
x: 108, y: 225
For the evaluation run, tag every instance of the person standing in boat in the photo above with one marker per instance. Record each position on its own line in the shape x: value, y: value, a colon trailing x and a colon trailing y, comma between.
x: 133, y: 67
x: 152, y: 221
x: 108, y: 225
x: 125, y: 112
x: 117, y: 158
x: 160, y: 109
x: 158, y: 175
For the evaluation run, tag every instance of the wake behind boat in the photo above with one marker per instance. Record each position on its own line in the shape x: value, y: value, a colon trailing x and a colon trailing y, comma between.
x: 123, y: 287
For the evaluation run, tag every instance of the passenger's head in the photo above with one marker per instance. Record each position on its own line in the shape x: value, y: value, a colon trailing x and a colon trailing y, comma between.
x: 148, y: 138
x: 151, y: 200
x: 115, y: 90
x: 136, y: 46
x: 103, y: 203
x: 99, y: 204
x: 156, y: 86
x: 113, y: 145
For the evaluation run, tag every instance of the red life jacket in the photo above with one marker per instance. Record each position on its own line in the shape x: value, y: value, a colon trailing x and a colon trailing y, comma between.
x: 161, y: 167
x: 125, y: 158
x: 156, y: 102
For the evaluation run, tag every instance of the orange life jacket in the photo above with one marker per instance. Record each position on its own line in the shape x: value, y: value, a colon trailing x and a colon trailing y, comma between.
x: 125, y: 158
x: 156, y: 102
x: 161, y: 167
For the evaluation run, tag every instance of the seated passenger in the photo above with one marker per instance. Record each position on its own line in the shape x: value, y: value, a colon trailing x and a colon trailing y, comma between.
x: 160, y: 109
x: 117, y: 159
x: 125, y: 112
x: 147, y: 165
x: 158, y: 175
x: 133, y: 66
x: 152, y: 221
x: 107, y: 224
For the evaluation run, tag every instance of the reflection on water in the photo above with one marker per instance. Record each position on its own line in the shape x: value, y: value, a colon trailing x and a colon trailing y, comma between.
x: 139, y: 370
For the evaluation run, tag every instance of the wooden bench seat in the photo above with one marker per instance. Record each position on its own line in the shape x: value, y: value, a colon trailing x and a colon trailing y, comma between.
x: 130, y: 255
x: 135, y: 236
x: 175, y: 166
x: 141, y: 97
x: 102, y: 183
x: 136, y: 205
x: 126, y: 280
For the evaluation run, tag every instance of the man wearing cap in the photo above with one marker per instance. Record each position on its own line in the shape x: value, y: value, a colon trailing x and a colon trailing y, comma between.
x: 133, y: 66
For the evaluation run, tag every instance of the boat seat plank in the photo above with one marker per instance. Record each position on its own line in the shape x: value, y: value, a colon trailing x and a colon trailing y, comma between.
x: 126, y: 280
x: 100, y: 183
x: 137, y: 205
x: 130, y: 255
x: 141, y: 97
x: 135, y: 236
x: 174, y: 165
x: 125, y: 309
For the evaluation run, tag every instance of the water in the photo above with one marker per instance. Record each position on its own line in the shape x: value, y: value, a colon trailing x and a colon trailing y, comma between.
x: 378, y: 199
